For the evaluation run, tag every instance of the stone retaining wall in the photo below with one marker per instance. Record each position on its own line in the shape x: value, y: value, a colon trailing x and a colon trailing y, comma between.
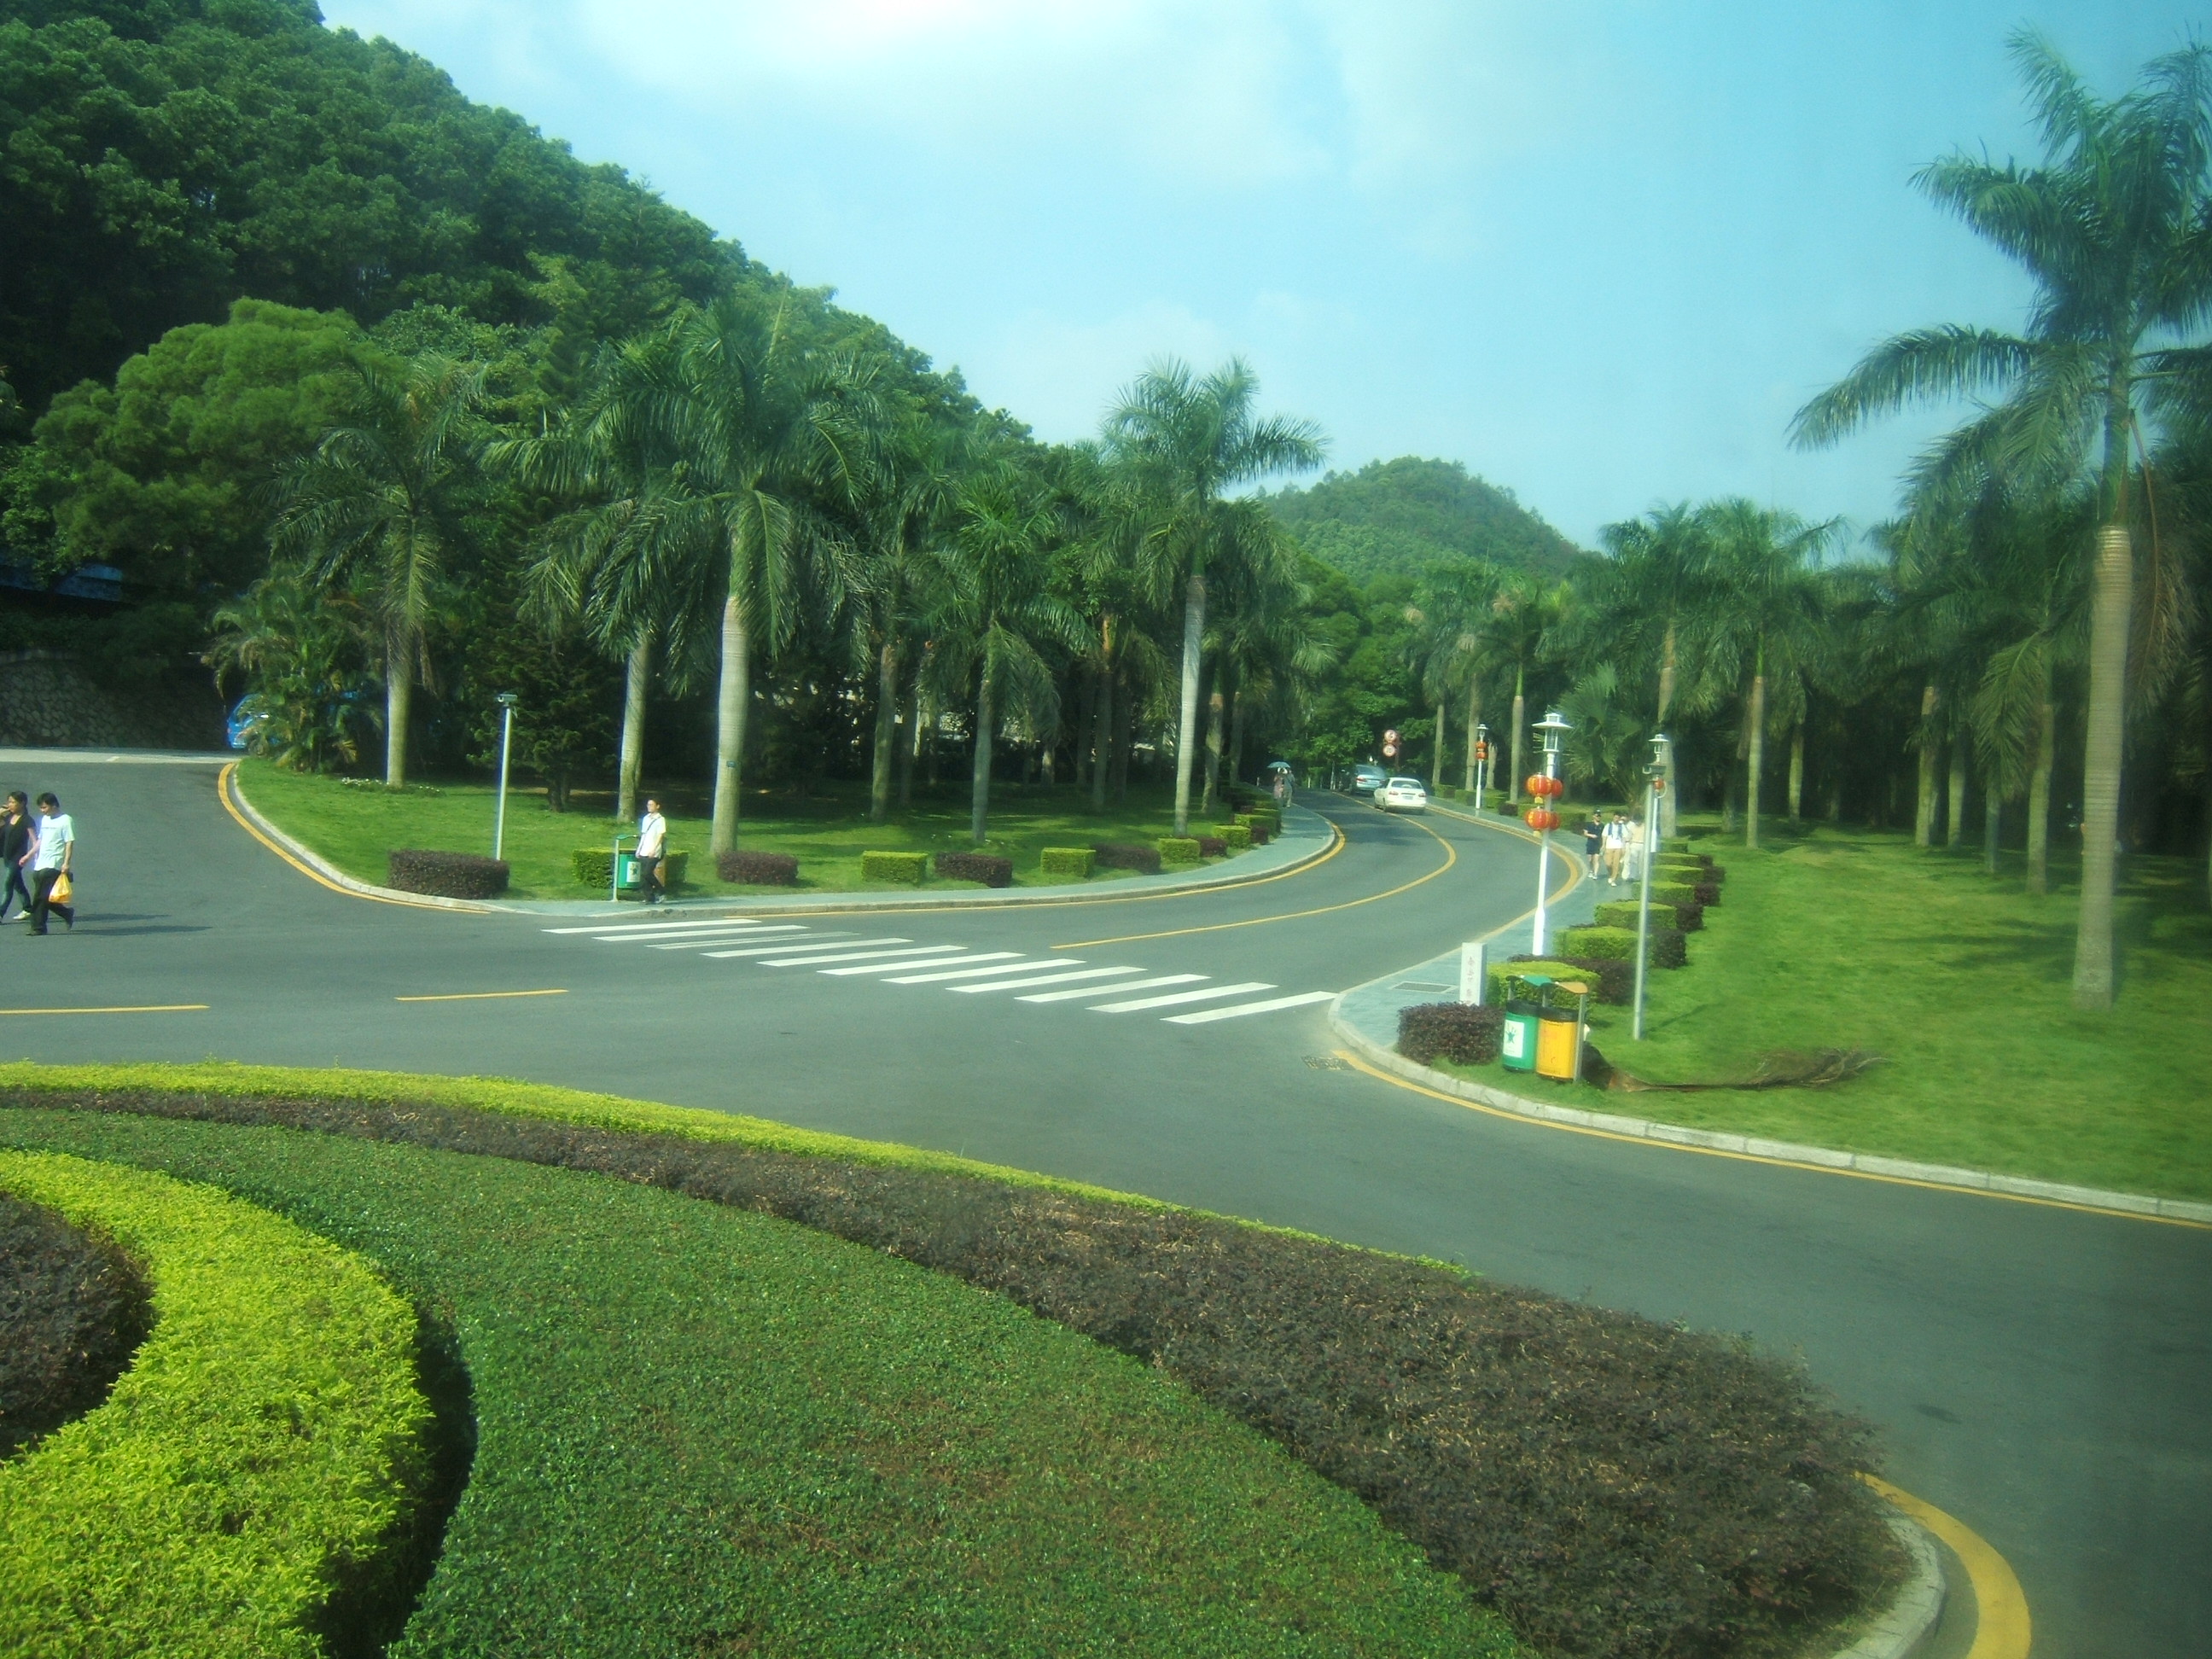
x: 49, y: 700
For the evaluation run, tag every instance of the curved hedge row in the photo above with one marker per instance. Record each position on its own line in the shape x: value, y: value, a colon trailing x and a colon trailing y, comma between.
x: 260, y: 1451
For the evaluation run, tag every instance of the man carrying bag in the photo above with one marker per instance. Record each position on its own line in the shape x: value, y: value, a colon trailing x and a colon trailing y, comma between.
x: 51, y: 889
x: 652, y: 842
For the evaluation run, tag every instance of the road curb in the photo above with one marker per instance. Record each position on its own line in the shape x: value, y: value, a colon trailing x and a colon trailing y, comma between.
x: 1389, y: 1060
x: 321, y: 868
x: 1905, y: 1624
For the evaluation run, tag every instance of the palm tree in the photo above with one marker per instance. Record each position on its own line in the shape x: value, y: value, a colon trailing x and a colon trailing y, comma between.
x: 300, y: 645
x: 994, y: 608
x: 2113, y: 231
x: 1772, y: 625
x: 370, y: 509
x: 1189, y: 440
x: 1453, y: 601
x: 1524, y: 612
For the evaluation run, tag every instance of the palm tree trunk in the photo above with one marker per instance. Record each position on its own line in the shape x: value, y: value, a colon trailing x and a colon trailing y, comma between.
x: 1798, y: 771
x: 1086, y: 724
x: 1473, y: 718
x: 2110, y: 606
x: 910, y: 750
x: 635, y: 679
x: 1955, y: 826
x: 1666, y: 674
x: 1214, y: 718
x: 979, y: 794
x: 1731, y: 803
x: 1755, y: 764
x: 1436, y: 759
x: 1101, y: 769
x: 2038, y: 788
x: 1194, y: 632
x: 398, y: 703
x: 1519, y: 730
x: 1992, y: 818
x: 1125, y: 733
x: 1236, y: 730
x: 1923, y: 811
x: 879, y: 782
x: 732, y: 699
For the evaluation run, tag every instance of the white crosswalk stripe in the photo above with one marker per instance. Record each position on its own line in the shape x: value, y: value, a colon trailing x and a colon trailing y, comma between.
x: 895, y: 959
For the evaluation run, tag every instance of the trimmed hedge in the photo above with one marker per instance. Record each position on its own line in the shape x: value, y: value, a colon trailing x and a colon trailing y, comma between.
x: 1126, y: 855
x: 1687, y: 915
x: 594, y: 866
x: 989, y: 868
x: 1618, y: 1487
x: 1236, y: 837
x: 265, y: 1449
x: 1213, y: 846
x: 1260, y: 833
x: 743, y: 868
x: 908, y: 869
x: 1179, y: 849
x: 1270, y: 821
x: 445, y: 875
x: 706, y: 1430
x: 1611, y: 979
x: 74, y: 1308
x: 1667, y: 949
x: 1067, y: 863
x: 1457, y: 1031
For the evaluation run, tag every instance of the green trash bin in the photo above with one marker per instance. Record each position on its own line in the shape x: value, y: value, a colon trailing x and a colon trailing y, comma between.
x: 1517, y: 1038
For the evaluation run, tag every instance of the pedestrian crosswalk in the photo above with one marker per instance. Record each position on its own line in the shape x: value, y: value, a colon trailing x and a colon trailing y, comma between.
x: 1182, y: 999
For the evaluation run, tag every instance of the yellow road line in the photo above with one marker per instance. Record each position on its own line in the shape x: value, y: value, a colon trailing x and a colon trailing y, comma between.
x: 154, y: 1008
x: 222, y: 787
x: 482, y: 996
x: 1336, y: 846
x: 2001, y: 1627
x: 1359, y: 1065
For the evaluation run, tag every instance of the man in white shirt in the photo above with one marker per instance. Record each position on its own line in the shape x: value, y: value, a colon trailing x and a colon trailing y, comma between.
x: 652, y: 842
x: 49, y: 864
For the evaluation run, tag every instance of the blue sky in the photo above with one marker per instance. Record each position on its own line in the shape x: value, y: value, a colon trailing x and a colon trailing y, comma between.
x: 1599, y: 253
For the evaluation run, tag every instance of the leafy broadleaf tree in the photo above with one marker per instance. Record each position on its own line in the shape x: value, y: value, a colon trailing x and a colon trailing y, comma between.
x: 1189, y: 440
x: 372, y: 509
x: 2115, y: 229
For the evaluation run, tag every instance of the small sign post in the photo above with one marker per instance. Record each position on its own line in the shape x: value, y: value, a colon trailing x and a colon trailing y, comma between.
x: 1470, y: 974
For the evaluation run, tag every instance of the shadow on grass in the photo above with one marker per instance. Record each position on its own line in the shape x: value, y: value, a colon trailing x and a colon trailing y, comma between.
x: 373, y: 1599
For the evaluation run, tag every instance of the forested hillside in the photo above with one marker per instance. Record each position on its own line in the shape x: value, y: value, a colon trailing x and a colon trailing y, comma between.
x: 1399, y: 517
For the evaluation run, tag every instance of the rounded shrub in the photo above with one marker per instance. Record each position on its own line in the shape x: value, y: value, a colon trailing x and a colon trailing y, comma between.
x: 989, y: 868
x: 1127, y: 855
x: 445, y: 875
x: 743, y: 868
x: 265, y: 1448
x: 1457, y: 1031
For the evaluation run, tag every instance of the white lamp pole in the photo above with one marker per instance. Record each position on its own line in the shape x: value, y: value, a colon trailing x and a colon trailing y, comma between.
x: 506, y: 701
x: 1481, y: 764
x: 1553, y: 729
x: 1655, y: 784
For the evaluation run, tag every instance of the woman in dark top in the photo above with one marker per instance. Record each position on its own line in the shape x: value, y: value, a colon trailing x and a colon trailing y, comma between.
x: 16, y: 836
x: 1594, y: 842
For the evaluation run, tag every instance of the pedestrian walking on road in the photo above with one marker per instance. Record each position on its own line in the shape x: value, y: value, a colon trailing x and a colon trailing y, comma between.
x: 18, y: 837
x: 49, y: 864
x: 652, y: 843
x: 1616, y: 848
x: 1594, y: 842
x: 1632, y: 855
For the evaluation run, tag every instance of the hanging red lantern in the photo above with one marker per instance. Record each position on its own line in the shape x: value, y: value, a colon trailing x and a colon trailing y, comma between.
x: 1541, y: 817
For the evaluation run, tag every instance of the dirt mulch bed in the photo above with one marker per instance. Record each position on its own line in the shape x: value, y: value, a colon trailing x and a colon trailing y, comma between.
x: 73, y: 1310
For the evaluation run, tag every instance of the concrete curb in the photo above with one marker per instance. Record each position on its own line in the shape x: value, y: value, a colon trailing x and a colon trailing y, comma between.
x: 1905, y: 1624
x: 1224, y: 875
x: 1386, y: 1059
x: 324, y: 871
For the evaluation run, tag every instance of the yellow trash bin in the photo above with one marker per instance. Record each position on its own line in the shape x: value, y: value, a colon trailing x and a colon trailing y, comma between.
x: 1557, y: 1036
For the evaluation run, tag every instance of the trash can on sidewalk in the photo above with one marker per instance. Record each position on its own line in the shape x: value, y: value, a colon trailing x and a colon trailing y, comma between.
x: 1559, y: 1035
x: 1517, y: 1037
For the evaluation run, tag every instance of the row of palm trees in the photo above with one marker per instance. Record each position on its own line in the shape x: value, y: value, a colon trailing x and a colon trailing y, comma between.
x: 728, y: 490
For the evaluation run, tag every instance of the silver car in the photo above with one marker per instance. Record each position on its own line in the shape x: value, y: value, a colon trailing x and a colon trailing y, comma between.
x: 1403, y: 795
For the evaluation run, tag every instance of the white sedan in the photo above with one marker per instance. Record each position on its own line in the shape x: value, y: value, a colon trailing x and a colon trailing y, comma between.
x: 1402, y: 795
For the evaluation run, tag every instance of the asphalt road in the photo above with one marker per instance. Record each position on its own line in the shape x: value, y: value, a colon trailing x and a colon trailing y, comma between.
x: 2045, y: 1374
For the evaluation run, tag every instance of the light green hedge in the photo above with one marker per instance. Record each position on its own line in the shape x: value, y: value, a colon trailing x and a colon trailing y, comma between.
x: 1622, y: 914
x: 1067, y: 863
x: 906, y: 868
x: 1178, y: 849
x: 1497, y: 973
x: 1236, y: 837
x: 265, y: 1446
x: 594, y: 866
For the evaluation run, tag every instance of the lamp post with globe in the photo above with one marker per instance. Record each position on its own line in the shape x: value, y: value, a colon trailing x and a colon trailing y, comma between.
x: 1546, y: 787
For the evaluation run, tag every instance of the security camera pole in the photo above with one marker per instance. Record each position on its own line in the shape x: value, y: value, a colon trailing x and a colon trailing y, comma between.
x: 506, y: 701
x: 1546, y: 787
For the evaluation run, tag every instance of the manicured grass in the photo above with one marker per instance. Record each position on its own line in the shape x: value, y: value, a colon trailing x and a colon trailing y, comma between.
x: 1840, y: 937
x: 703, y: 1429
x: 261, y: 1451
x: 355, y: 827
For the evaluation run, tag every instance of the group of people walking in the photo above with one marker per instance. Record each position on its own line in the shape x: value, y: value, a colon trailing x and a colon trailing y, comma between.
x: 1614, y: 846
x: 37, y: 849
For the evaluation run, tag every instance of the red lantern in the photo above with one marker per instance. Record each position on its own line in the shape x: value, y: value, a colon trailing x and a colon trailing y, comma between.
x: 1543, y: 787
x: 1543, y: 817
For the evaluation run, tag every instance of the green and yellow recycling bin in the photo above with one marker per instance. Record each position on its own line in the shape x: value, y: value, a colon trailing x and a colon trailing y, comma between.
x: 1517, y: 1037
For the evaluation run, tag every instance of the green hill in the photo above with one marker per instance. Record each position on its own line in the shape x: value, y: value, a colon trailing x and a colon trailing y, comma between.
x: 1403, y: 515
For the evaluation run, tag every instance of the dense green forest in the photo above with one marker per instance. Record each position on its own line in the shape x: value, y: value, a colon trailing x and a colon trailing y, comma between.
x: 382, y: 404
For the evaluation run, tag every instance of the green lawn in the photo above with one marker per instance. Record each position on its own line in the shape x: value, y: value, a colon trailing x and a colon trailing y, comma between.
x: 1842, y: 938
x: 354, y: 826
x: 699, y: 1430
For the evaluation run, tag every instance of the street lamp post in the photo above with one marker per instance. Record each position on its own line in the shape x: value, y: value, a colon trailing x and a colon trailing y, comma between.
x: 1546, y: 787
x: 1481, y: 764
x: 1655, y: 786
x: 506, y: 701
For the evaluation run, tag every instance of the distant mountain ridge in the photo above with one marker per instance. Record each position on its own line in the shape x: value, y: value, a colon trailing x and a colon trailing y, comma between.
x: 1400, y: 516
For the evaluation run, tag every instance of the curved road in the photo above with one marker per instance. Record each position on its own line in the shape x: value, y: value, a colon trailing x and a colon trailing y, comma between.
x: 2042, y: 1374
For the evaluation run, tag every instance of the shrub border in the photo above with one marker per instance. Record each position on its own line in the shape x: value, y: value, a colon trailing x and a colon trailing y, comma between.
x: 123, y: 1520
